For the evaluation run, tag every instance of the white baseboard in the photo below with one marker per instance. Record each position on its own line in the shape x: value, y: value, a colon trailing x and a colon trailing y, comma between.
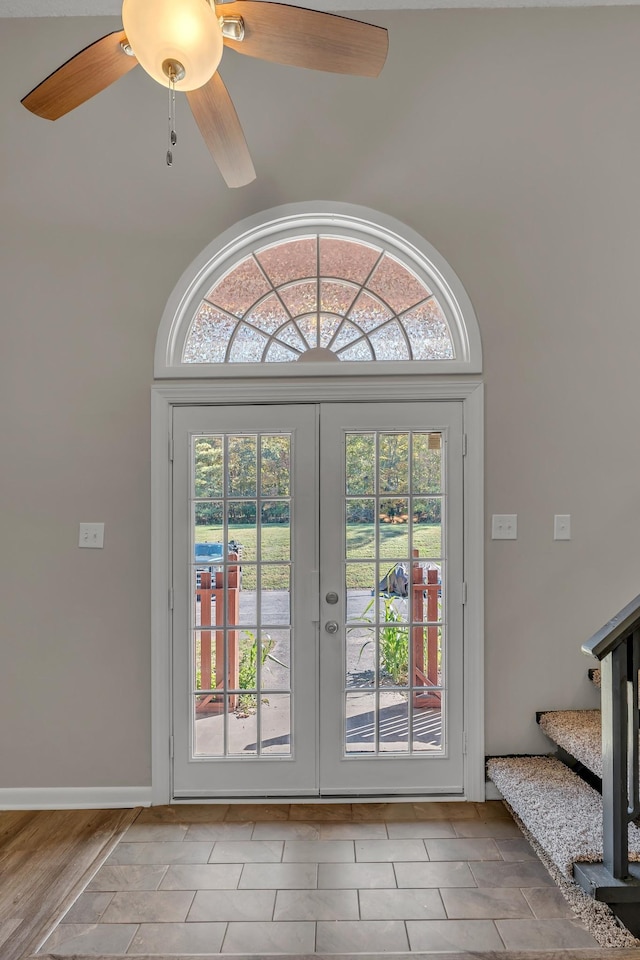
x: 491, y: 792
x: 74, y: 798
x: 103, y: 798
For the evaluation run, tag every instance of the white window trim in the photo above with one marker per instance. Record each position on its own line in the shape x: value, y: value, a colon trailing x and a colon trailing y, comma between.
x: 344, y: 219
x: 308, y: 389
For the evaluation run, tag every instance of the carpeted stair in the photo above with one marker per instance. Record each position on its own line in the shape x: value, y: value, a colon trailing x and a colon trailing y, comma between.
x: 559, y: 809
x: 578, y: 733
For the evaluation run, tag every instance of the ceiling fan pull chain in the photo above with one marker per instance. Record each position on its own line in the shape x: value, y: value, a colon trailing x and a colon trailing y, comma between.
x: 172, y: 119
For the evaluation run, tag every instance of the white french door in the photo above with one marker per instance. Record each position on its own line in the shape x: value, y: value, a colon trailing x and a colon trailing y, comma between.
x: 317, y: 641
x: 245, y: 689
x: 391, y: 718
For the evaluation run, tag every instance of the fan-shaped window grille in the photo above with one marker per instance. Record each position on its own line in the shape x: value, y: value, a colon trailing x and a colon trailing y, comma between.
x: 314, y: 282
x: 318, y: 297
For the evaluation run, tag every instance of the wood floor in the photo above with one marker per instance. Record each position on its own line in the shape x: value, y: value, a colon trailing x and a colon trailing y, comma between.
x: 47, y: 858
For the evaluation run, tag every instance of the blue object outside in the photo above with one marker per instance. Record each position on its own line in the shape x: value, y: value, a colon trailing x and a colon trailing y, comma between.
x: 207, y: 552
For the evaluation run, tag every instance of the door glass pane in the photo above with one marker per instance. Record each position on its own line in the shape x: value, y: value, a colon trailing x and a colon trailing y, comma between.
x: 275, y: 594
x: 428, y: 664
x: 393, y: 722
x: 241, y: 525
x: 394, y: 463
x: 242, y: 719
x: 208, y: 521
x: 360, y: 450
x: 395, y: 600
x: 393, y: 645
x: 275, y: 530
x: 275, y: 732
x: 427, y: 604
x: 241, y: 589
x: 427, y: 526
x: 361, y: 656
x: 204, y: 664
x: 360, y: 713
x: 275, y: 646
x: 393, y: 592
x: 427, y: 721
x: 275, y: 466
x: 361, y: 581
x: 209, y: 473
x: 426, y: 463
x: 393, y: 517
x: 241, y: 466
x: 361, y: 523
x: 209, y: 730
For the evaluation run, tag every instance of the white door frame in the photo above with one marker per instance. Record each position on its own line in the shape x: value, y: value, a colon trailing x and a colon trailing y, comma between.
x: 166, y: 395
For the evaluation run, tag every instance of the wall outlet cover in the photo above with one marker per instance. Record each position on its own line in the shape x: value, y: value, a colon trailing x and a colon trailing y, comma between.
x: 562, y: 526
x: 504, y: 526
x: 91, y: 535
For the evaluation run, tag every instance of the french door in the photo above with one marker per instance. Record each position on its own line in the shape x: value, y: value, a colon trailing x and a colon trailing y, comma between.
x: 317, y: 640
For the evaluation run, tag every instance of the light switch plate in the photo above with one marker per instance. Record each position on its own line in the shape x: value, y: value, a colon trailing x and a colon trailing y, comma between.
x: 504, y: 526
x: 562, y: 526
x: 91, y: 535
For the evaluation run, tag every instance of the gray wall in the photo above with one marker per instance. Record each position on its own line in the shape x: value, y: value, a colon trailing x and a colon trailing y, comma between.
x: 511, y: 141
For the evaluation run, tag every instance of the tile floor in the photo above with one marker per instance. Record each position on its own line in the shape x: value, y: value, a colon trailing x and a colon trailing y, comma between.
x: 316, y: 878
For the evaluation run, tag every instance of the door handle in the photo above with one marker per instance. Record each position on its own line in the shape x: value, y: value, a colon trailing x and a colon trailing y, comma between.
x: 332, y: 597
x: 331, y: 626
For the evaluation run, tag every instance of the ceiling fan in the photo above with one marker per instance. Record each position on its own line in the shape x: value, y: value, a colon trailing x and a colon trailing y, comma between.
x: 180, y: 44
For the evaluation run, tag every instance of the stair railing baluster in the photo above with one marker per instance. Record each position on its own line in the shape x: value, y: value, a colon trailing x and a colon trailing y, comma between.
x: 614, y: 762
x: 617, y: 647
x: 633, y: 677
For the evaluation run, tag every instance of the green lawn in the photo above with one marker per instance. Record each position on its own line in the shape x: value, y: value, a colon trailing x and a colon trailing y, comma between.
x: 360, y: 540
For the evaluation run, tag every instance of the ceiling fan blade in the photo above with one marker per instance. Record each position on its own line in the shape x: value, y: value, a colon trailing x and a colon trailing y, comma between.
x: 81, y: 77
x: 218, y: 121
x: 307, y: 38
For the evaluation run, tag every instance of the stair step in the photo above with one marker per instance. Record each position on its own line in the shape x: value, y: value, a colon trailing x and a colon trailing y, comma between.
x: 596, y: 677
x: 578, y: 732
x: 560, y: 810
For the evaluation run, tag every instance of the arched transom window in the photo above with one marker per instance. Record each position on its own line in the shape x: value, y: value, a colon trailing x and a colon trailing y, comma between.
x: 318, y: 297
x: 310, y: 283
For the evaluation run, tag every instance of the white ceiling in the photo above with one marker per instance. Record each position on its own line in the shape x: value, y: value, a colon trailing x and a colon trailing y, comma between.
x: 99, y: 8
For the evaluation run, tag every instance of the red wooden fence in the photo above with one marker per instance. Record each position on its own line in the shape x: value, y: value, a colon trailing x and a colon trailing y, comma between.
x: 214, y: 594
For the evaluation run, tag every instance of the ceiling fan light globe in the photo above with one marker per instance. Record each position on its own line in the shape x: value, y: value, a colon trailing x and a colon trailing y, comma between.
x: 186, y: 31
